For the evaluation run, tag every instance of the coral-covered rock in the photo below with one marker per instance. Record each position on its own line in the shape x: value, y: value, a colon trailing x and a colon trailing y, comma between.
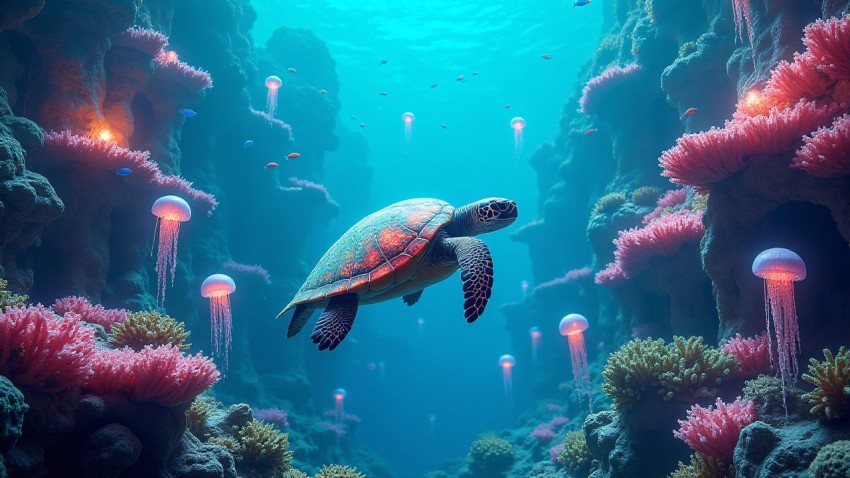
x: 109, y: 451
x: 12, y: 410
x: 194, y: 459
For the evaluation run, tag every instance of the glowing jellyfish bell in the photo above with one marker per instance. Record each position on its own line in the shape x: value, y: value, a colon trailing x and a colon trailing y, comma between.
x: 780, y: 268
x: 408, y: 119
x: 273, y: 83
x: 170, y: 211
x: 573, y: 326
x: 507, y: 363
x: 518, y: 124
x: 339, y: 398
x: 524, y: 285
x: 218, y: 288
x: 535, y: 335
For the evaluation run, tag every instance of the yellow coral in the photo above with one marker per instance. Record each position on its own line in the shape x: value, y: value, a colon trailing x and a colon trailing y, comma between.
x: 231, y: 444
x: 293, y: 473
x: 149, y: 328
x: 338, y: 471
x: 10, y: 299
x: 609, y: 203
x: 702, y: 466
x: 576, y: 456
x: 489, y: 456
x: 645, y: 196
x: 265, y: 450
x: 830, y: 399
x: 198, y: 413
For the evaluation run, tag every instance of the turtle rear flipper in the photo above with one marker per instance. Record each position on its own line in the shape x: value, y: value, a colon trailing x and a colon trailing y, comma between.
x: 476, y: 272
x: 299, y: 318
x: 335, y: 322
x: 413, y: 298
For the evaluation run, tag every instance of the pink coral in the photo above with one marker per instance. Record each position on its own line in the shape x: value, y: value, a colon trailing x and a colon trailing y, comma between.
x: 790, y: 82
x: 752, y: 354
x: 272, y: 415
x: 336, y: 428
x: 256, y: 270
x: 161, y: 375
x: 829, y: 42
x: 555, y: 451
x: 543, y: 432
x: 741, y: 14
x: 558, y: 421
x: 660, y: 238
x: 779, y: 130
x: 600, y: 86
x: 143, y: 39
x: 826, y: 153
x: 668, y: 200
x: 715, y: 431
x: 611, y: 276
x: 554, y: 407
x: 93, y: 314
x: 272, y: 120
x: 172, y: 69
x: 306, y: 184
x: 42, y: 351
x: 574, y: 275
x: 107, y: 157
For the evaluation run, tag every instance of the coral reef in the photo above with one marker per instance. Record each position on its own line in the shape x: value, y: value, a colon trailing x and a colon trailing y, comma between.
x: 338, y: 471
x: 702, y: 466
x: 490, y: 457
x: 832, y: 460
x: 575, y: 456
x: 263, y: 450
x: 714, y: 432
x: 830, y: 400
x: 149, y: 328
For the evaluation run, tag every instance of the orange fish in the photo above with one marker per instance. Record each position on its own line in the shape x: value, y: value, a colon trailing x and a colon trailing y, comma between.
x: 460, y: 78
x: 271, y: 165
x: 383, y: 93
x: 591, y: 131
x: 292, y: 155
x: 507, y: 106
x: 362, y: 125
x: 323, y: 92
x: 291, y: 70
x: 546, y: 56
x: 689, y: 112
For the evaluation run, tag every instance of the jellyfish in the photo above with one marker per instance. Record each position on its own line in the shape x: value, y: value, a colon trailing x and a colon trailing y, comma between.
x: 524, y: 285
x: 572, y: 325
x: 518, y: 124
x: 339, y: 398
x: 218, y: 288
x: 535, y: 334
x: 780, y: 268
x: 432, y: 424
x: 170, y: 211
x: 507, y: 363
x: 273, y: 83
x: 420, y: 323
x: 408, y: 119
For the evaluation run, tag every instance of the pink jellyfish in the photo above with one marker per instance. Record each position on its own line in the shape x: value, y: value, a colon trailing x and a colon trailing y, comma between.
x: 572, y: 326
x: 170, y: 211
x: 218, y: 288
x: 780, y: 268
x: 507, y: 363
x: 524, y: 284
x: 408, y: 119
x: 518, y: 124
x: 535, y: 334
x: 339, y: 398
x: 273, y: 83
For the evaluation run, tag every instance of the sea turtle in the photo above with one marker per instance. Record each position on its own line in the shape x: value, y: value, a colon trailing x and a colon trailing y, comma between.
x: 397, y: 252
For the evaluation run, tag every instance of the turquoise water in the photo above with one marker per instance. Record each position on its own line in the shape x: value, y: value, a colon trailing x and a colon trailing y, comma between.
x: 438, y: 389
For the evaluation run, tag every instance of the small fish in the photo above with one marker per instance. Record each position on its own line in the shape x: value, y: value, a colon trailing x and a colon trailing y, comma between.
x: 323, y: 92
x: 384, y: 61
x: 434, y: 85
x: 292, y: 155
x: 187, y: 112
x: 352, y: 117
x: 383, y: 93
x: 123, y: 171
x: 444, y: 126
x: 581, y: 3
x: 362, y: 125
x: 546, y: 56
x: 689, y: 112
x: 248, y: 143
x: 460, y: 78
x: 291, y: 70
x: 474, y: 73
x: 590, y: 131
x: 507, y: 106
x: 271, y: 165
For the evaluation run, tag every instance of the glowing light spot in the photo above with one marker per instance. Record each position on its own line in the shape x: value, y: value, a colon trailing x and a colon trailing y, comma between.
x: 170, y: 211
x: 572, y: 326
x: 218, y: 288
x: 105, y: 135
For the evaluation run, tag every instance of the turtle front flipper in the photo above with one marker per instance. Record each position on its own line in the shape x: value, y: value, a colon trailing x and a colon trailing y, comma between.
x: 476, y: 272
x: 299, y: 318
x: 335, y: 322
x: 413, y: 298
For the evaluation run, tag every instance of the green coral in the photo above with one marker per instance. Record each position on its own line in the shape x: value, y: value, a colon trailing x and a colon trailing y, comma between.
x: 575, y: 456
x: 149, y: 328
x: 683, y: 370
x: 699, y: 202
x: 231, y: 444
x: 294, y: 473
x: 832, y: 461
x: 609, y: 203
x: 687, y: 48
x: 10, y: 299
x: 490, y: 456
x: 830, y: 400
x: 199, y: 411
x: 702, y: 466
x: 265, y: 450
x: 645, y: 196
x: 338, y: 471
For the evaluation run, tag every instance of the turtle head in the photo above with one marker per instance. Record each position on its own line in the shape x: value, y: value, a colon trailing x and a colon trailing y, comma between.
x: 483, y: 216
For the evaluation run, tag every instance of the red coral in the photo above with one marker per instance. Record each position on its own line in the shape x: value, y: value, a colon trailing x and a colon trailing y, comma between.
x: 669, y: 200
x: 611, y: 276
x: 826, y: 153
x: 93, y: 314
x: 143, y: 39
x: 161, y: 375
x: 600, y: 86
x: 171, y: 69
x: 256, y: 270
x: 829, y: 42
x: 800, y: 79
x: 42, y: 351
x: 752, y: 354
x: 715, y: 431
x: 660, y: 238
x: 108, y: 157
x: 779, y: 130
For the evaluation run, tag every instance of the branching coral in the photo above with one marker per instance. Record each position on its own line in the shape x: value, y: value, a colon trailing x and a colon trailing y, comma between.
x: 829, y: 42
x: 645, y: 196
x: 143, y: 39
x: 490, y: 456
x: 149, y: 328
x: 601, y: 86
x: 683, y: 370
x: 752, y: 354
x: 93, y: 314
x: 231, y: 444
x: 826, y: 153
x: 265, y: 450
x: 702, y: 466
x: 714, y: 432
x: 608, y: 203
x: 830, y: 399
x: 832, y: 461
x: 338, y: 471
x: 199, y: 412
x: 10, y: 299
x: 172, y: 69
x: 575, y: 455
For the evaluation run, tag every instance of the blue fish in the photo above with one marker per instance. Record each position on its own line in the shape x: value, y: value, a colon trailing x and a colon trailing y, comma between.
x: 123, y: 171
x: 248, y: 143
x: 187, y: 112
x: 581, y: 3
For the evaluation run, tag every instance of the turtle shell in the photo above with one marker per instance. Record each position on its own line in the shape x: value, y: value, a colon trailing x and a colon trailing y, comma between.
x: 379, y: 252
